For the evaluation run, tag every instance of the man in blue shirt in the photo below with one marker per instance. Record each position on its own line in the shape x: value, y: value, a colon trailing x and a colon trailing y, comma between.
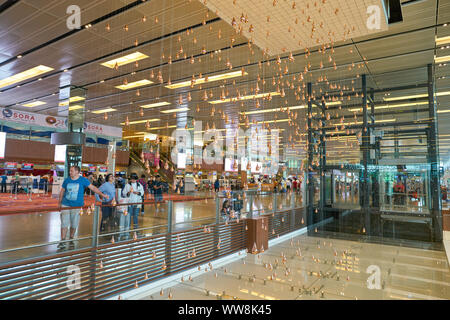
x: 216, y: 185
x: 72, y: 195
x: 109, y: 189
x: 4, y: 178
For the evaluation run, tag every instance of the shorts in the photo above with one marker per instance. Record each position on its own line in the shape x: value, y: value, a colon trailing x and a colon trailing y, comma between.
x: 158, y: 197
x: 70, y: 218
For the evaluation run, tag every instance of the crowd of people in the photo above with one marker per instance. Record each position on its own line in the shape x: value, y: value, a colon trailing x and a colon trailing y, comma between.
x: 24, y: 184
x: 122, y: 202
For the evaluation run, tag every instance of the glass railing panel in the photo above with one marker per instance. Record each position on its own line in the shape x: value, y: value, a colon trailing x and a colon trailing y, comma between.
x: 30, y: 234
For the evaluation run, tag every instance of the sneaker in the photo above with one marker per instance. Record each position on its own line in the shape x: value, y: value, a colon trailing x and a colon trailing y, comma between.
x: 61, y: 246
x: 71, y: 245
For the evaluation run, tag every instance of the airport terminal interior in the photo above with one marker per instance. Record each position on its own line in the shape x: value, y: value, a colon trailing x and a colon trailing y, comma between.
x: 224, y: 150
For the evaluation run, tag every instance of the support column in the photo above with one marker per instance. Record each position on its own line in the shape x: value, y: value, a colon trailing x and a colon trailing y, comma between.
x: 333, y: 187
x: 433, y: 159
x: 323, y: 159
x: 374, y: 161
x: 72, y: 105
x: 396, y: 143
x: 111, y: 160
x: 310, y: 185
x: 366, y: 155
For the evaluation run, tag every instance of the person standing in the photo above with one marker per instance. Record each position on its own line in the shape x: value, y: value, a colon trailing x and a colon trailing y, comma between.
x: 134, y: 191
x: 122, y: 210
x: 109, y: 189
x: 4, y: 178
x: 100, y: 180
x: 70, y: 196
x: 157, y: 186
x: 150, y: 187
x: 181, y: 187
x: 144, y: 185
x: 91, y: 180
x: 16, y: 183
x: 216, y: 185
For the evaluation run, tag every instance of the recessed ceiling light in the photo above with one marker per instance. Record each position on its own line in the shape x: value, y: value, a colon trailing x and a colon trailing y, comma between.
x: 273, y: 110
x: 137, y: 136
x: 388, y: 106
x: 142, y: 121
x: 135, y: 84
x: 19, y: 77
x: 72, y: 99
x: 423, y: 95
x: 257, y: 96
x: 218, y: 77
x: 443, y: 40
x: 175, y: 110
x: 154, y: 105
x: 124, y: 60
x: 103, y: 110
x: 77, y: 107
x: 441, y: 59
x: 34, y: 104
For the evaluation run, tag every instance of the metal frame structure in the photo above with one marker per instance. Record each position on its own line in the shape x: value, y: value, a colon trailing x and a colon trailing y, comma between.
x: 370, y: 148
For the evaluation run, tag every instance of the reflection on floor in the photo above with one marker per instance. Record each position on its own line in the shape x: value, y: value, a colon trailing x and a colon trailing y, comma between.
x: 306, y: 268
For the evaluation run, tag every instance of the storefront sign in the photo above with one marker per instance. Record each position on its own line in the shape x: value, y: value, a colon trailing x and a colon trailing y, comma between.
x: 30, y: 118
x: 27, y: 166
x: 36, y: 119
x: 10, y: 165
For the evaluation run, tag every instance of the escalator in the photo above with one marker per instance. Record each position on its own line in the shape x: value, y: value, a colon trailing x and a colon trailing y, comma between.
x: 166, y: 175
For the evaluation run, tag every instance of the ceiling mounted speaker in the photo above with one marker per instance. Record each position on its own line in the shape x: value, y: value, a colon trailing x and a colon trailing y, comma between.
x: 68, y: 138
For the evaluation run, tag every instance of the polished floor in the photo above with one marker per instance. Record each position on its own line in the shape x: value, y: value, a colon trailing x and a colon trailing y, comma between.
x: 313, y: 268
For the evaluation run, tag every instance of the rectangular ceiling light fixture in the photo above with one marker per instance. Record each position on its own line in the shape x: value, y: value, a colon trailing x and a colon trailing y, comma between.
x: 77, y: 107
x: 142, y: 121
x: 443, y: 40
x: 73, y: 99
x: 333, y: 103
x: 290, y: 108
x: 441, y: 59
x: 155, y: 105
x: 133, y: 57
x: 210, y: 79
x: 272, y: 110
x: 135, y: 84
x: 34, y: 104
x: 104, y: 110
x: 25, y: 75
x: 417, y: 96
x: 249, y: 97
x: 269, y: 121
x: 175, y: 110
x: 387, y: 106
